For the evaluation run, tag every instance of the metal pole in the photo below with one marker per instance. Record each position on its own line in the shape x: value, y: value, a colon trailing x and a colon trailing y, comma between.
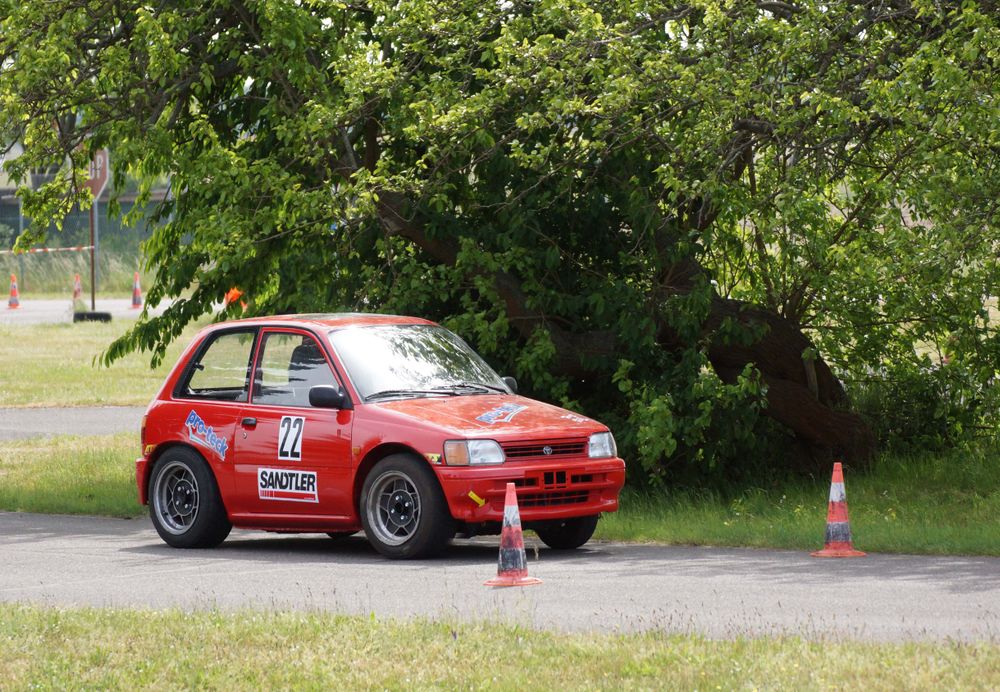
x: 97, y: 240
x: 93, y: 274
x: 20, y: 230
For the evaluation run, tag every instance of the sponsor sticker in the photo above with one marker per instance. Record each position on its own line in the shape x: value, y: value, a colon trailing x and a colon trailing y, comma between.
x: 573, y: 417
x: 501, y: 414
x: 433, y: 458
x: 291, y: 486
x: 204, y: 435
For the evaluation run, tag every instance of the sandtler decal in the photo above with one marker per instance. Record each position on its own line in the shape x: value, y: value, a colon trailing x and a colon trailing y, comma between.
x: 292, y: 486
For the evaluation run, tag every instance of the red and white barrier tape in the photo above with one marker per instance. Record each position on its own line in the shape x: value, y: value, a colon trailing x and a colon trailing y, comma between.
x: 78, y: 248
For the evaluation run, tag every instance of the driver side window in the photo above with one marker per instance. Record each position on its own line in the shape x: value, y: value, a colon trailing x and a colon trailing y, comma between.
x: 290, y: 365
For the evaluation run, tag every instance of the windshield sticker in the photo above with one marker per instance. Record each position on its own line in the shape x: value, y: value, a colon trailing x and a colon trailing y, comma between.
x: 501, y: 414
x: 292, y: 486
x: 204, y: 435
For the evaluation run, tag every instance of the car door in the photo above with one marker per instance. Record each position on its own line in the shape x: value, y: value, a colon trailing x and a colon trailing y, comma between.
x: 293, y: 461
x: 209, y: 398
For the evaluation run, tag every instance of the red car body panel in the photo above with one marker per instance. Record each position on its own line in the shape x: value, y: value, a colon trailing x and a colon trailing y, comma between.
x: 339, y: 446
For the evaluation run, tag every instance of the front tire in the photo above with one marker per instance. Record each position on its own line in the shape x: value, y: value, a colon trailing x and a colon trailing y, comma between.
x: 403, y: 510
x: 184, y: 501
x: 567, y: 534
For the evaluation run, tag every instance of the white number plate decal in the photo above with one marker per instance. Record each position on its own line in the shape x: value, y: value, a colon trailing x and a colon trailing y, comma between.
x: 290, y: 437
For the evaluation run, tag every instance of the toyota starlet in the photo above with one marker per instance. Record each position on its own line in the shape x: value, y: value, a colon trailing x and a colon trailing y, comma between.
x: 345, y: 422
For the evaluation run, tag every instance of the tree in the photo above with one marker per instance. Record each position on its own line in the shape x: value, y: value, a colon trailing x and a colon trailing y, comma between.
x: 664, y: 213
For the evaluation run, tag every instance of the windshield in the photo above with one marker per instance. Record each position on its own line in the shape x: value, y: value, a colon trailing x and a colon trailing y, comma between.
x: 387, y: 361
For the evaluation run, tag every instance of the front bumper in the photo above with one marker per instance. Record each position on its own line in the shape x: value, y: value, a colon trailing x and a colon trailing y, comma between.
x: 545, y: 490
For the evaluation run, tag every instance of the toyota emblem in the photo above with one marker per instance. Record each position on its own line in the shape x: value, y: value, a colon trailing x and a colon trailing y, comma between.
x: 546, y: 450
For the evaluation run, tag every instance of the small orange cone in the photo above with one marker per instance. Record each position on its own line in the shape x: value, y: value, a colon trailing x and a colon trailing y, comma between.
x: 136, y: 292
x: 512, y: 568
x: 77, y: 288
x: 15, y: 298
x: 838, y: 527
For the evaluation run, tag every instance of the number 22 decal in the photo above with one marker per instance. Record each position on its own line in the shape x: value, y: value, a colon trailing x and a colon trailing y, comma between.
x: 290, y: 437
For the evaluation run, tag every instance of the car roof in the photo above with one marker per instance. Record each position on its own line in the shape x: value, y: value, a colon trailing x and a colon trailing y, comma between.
x: 330, y: 320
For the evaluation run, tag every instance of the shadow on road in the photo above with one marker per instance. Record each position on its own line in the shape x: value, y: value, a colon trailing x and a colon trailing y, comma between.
x: 959, y: 574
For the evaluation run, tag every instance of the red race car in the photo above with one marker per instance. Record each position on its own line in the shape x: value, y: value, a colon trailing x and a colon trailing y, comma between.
x: 334, y: 423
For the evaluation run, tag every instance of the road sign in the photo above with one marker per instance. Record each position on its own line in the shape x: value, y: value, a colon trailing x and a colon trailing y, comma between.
x: 98, y: 178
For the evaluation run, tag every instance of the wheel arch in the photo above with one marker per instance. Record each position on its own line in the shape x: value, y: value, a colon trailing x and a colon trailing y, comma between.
x: 375, y: 455
x: 162, y: 449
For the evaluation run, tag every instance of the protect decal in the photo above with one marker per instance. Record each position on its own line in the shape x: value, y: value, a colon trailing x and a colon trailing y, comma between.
x: 291, y: 486
x: 501, y: 414
x: 204, y: 435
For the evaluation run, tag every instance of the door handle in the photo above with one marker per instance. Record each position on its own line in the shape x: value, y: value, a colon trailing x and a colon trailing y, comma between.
x: 249, y: 422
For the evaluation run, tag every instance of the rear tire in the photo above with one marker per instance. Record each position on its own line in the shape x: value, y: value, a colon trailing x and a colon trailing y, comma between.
x: 184, y: 501
x: 403, y: 509
x: 567, y: 534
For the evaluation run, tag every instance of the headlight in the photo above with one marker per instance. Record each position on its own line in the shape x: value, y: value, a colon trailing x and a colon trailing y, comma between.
x: 602, y: 445
x: 472, y: 452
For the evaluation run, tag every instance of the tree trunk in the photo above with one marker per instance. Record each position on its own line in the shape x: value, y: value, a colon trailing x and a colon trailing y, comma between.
x: 802, y: 394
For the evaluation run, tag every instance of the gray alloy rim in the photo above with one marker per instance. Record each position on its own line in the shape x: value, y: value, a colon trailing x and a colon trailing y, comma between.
x: 393, y: 508
x: 176, y: 498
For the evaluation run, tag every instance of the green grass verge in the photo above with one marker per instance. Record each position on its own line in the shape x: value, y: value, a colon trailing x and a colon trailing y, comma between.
x: 53, y: 365
x: 124, y: 649
x: 935, y: 504
x: 70, y: 475
x: 922, y: 505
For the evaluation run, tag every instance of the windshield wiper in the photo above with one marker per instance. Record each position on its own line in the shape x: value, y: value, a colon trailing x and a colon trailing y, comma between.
x: 478, y: 387
x: 387, y: 393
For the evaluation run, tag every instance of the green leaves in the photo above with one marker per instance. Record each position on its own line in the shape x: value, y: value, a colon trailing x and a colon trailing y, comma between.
x: 573, y: 186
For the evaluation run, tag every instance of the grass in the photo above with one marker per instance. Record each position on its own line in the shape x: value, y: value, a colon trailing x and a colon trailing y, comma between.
x: 53, y: 365
x: 945, y: 503
x: 124, y: 649
x: 70, y: 475
x: 922, y: 505
x: 51, y: 275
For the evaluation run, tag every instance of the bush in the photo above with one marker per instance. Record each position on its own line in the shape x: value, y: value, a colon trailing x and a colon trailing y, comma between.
x: 928, y: 407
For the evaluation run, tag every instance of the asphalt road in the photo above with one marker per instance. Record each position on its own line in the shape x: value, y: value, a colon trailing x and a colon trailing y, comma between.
x: 33, y: 311
x: 605, y: 587
x: 20, y: 423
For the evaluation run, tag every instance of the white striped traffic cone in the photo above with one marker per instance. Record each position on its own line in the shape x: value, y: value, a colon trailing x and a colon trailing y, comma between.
x: 838, y: 526
x: 512, y: 567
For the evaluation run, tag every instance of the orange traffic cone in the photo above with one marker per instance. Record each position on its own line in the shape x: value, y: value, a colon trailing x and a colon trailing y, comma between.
x: 15, y: 299
x: 512, y: 568
x: 136, y: 292
x: 77, y: 288
x: 838, y: 527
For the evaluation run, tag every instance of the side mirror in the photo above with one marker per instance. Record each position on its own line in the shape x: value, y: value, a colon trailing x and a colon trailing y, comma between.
x: 329, y: 396
x: 511, y: 383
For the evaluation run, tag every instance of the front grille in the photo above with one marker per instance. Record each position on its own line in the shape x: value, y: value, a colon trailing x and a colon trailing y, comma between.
x: 545, y: 450
x: 570, y: 497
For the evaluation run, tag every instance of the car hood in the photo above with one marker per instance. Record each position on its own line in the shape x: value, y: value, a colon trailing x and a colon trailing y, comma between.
x: 497, y: 416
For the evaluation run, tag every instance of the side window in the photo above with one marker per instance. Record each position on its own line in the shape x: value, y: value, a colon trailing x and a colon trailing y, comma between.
x: 221, y: 370
x: 290, y: 364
